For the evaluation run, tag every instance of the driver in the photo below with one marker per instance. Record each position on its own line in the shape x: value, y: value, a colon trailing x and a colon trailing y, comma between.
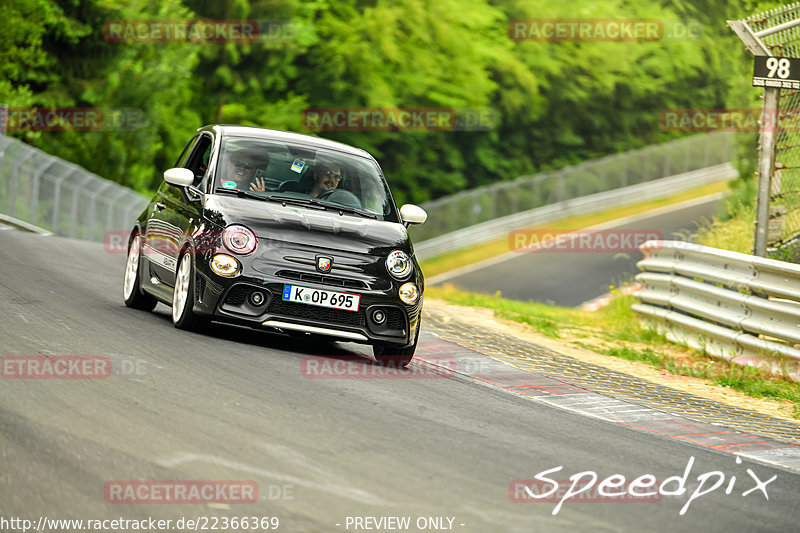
x: 327, y: 177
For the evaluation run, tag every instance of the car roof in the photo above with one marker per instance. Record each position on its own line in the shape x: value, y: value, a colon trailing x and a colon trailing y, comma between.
x: 235, y: 130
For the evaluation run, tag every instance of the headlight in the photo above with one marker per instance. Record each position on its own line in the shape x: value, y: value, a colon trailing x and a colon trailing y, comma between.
x: 225, y: 265
x: 409, y: 293
x: 399, y: 264
x: 239, y: 239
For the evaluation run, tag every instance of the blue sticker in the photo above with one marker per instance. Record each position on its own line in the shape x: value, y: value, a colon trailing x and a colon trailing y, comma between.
x: 298, y: 165
x: 228, y: 184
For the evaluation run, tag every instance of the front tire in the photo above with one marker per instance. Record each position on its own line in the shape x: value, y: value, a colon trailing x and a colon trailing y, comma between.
x: 183, y: 315
x: 132, y: 292
x: 394, y: 356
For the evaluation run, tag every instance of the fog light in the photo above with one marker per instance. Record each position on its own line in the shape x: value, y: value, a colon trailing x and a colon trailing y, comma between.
x: 257, y: 298
x: 378, y: 316
x: 409, y: 293
x: 225, y: 265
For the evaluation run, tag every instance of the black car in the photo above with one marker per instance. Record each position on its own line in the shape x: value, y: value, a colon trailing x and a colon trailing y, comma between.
x: 280, y: 231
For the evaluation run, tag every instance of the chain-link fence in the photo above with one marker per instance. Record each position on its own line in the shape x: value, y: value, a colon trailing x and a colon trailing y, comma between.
x: 784, y: 201
x: 61, y: 197
x: 472, y: 207
x: 67, y: 200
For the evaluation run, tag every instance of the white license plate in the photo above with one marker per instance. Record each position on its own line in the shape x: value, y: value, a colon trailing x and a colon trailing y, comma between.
x: 334, y: 299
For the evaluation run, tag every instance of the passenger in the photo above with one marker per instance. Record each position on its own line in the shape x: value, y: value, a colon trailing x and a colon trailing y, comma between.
x: 242, y: 166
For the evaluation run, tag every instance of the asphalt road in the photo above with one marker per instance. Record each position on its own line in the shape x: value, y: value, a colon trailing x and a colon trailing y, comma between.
x: 233, y: 404
x: 572, y: 278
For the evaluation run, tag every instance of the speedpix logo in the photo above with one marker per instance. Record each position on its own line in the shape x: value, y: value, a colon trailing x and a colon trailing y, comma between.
x: 586, y: 487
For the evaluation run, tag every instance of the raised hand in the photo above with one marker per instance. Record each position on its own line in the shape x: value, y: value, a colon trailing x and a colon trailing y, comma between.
x: 258, y: 185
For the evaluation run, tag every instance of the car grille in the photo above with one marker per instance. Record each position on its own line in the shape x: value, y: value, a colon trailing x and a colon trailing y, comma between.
x: 322, y: 279
x: 395, y: 319
x: 316, y: 313
x: 237, y: 295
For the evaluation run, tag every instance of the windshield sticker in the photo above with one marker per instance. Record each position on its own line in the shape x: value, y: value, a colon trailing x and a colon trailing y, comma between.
x: 228, y: 184
x: 298, y: 165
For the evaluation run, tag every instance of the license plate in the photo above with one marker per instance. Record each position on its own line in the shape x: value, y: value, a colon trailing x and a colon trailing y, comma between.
x: 333, y: 299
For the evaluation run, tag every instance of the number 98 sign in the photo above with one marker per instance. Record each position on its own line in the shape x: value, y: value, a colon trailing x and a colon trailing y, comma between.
x: 780, y: 72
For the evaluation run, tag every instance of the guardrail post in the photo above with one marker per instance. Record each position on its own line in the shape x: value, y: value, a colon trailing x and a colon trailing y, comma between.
x: 73, y: 215
x: 766, y: 154
x: 112, y: 203
x: 93, y: 207
x: 14, y: 177
x: 57, y: 197
x: 37, y: 174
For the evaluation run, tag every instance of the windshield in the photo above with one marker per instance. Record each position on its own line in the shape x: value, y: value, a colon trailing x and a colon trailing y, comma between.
x: 306, y: 175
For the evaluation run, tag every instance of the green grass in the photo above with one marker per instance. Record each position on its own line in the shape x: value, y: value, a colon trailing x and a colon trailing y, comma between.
x: 752, y: 381
x: 736, y: 233
x: 618, y: 327
x: 647, y: 355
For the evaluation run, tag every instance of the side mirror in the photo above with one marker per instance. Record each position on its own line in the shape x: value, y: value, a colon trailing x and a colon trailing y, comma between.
x: 181, y: 177
x: 413, y: 214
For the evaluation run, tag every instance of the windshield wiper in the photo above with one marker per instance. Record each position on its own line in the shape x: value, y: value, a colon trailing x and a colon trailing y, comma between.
x: 352, y: 211
x: 316, y: 204
x: 241, y: 194
x: 308, y: 202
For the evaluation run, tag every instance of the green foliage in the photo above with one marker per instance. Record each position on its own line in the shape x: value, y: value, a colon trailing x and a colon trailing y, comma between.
x: 558, y: 102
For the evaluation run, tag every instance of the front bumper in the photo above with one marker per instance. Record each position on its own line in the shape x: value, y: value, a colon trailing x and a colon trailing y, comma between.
x: 232, y: 300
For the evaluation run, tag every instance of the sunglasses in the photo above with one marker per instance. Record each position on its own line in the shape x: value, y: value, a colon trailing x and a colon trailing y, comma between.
x: 331, y: 174
x: 243, y: 164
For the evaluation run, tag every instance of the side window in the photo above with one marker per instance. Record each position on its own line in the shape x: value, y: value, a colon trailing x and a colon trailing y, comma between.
x: 198, y: 159
x: 181, y: 162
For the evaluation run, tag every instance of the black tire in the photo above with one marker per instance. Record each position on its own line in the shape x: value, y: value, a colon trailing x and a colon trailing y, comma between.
x: 132, y: 292
x: 392, y: 355
x: 183, y: 315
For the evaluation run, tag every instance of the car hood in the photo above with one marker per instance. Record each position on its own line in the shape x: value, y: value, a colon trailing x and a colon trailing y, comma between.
x: 309, y: 227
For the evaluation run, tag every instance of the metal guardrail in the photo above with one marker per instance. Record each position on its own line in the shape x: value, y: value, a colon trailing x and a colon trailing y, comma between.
x: 497, y: 228
x: 483, y: 204
x: 59, y: 196
x: 739, y: 307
